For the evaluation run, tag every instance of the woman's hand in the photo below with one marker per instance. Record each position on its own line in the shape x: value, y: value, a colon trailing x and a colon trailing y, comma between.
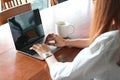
x: 40, y: 49
x: 55, y: 40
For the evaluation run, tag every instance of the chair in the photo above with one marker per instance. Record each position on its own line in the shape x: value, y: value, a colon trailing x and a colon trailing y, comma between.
x: 54, y: 2
x: 11, y: 3
x: 4, y: 15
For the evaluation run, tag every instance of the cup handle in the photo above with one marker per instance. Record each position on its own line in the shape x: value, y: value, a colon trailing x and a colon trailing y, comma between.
x: 72, y: 27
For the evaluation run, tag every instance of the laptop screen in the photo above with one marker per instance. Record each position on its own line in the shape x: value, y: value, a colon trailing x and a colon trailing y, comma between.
x: 26, y: 29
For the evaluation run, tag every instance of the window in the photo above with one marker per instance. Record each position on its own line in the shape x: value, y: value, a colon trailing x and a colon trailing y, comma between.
x: 40, y: 4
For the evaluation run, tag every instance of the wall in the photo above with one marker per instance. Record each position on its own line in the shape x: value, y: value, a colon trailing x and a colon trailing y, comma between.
x: 77, y: 12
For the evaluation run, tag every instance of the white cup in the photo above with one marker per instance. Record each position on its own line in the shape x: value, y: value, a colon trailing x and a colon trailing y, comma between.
x: 64, y: 29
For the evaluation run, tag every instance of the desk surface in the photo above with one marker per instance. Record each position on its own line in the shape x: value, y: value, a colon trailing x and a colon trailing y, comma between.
x: 17, y: 66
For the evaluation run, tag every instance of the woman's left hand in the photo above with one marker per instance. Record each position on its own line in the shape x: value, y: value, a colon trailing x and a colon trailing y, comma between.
x: 40, y: 49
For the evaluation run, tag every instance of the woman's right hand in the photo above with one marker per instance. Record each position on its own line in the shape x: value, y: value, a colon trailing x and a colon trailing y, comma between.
x: 55, y: 40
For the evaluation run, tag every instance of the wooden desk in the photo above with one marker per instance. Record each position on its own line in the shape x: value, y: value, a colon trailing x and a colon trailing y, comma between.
x: 17, y: 66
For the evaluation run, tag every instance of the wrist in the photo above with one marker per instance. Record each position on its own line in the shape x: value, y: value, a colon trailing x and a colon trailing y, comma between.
x: 66, y: 42
x: 47, y: 55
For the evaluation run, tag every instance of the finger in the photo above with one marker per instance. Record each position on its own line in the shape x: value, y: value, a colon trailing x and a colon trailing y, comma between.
x: 48, y: 41
x: 31, y: 48
x: 49, y: 38
x: 50, y: 35
x: 52, y: 41
x: 35, y: 46
x: 52, y: 44
x: 55, y: 37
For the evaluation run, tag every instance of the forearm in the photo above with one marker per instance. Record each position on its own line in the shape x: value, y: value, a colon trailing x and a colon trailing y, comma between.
x: 51, y: 60
x: 80, y: 43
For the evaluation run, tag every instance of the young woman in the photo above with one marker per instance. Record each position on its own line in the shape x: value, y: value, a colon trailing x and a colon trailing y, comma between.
x: 98, y: 60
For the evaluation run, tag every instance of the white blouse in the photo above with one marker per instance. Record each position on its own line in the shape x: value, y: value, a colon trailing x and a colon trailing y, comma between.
x: 96, y: 62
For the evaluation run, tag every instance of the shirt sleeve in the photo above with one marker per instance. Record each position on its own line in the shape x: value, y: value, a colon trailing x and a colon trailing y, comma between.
x: 89, y: 63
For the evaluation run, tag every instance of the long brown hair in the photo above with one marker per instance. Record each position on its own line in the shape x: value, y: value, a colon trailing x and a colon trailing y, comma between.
x: 105, y: 12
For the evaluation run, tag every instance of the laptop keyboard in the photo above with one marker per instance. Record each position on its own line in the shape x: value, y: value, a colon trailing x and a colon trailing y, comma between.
x: 32, y: 52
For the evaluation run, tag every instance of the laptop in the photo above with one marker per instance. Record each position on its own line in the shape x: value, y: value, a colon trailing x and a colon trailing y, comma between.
x: 27, y: 29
